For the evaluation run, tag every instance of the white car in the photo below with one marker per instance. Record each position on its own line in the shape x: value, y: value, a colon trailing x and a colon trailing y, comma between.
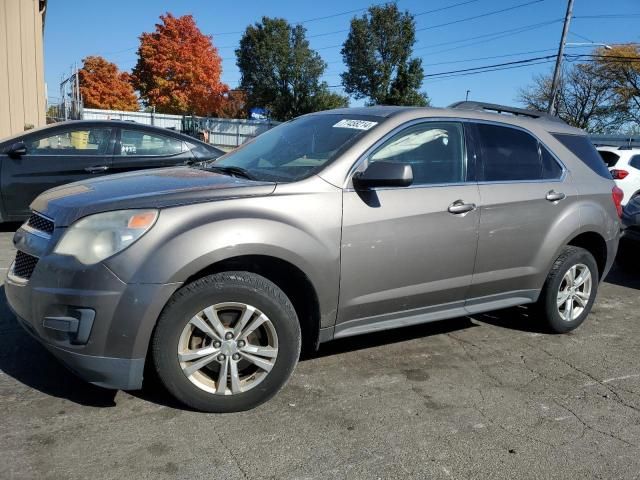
x: 624, y: 165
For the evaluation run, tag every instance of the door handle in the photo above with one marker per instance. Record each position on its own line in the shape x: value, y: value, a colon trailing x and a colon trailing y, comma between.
x: 554, y: 196
x: 459, y: 207
x: 97, y: 169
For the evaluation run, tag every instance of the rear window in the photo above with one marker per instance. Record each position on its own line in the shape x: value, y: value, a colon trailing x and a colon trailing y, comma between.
x: 582, y: 148
x: 609, y: 158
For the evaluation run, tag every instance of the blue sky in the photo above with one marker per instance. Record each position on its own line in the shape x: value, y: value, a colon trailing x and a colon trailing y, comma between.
x: 77, y: 28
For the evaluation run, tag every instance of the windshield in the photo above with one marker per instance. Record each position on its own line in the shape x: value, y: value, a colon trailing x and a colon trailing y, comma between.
x: 299, y: 148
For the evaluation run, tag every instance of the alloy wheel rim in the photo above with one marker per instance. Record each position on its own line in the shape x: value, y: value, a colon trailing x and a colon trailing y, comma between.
x: 574, y: 292
x: 228, y: 348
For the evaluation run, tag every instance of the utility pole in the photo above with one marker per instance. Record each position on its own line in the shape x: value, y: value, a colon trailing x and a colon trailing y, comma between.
x: 558, y: 69
x: 467, y: 96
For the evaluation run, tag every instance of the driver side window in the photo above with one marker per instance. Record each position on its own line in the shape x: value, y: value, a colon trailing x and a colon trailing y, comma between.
x: 435, y: 151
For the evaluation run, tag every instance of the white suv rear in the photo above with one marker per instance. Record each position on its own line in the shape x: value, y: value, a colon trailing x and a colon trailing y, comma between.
x: 624, y: 165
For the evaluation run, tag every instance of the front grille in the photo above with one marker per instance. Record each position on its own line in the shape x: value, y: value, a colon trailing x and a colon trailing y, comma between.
x: 24, y: 265
x: 41, y: 223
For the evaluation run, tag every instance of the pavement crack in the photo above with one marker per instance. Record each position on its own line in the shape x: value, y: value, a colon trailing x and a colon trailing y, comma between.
x: 616, y: 397
x: 461, y: 343
x: 232, y: 455
x: 587, y: 426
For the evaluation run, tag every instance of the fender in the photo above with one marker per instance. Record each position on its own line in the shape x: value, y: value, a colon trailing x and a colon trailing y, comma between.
x: 188, y: 239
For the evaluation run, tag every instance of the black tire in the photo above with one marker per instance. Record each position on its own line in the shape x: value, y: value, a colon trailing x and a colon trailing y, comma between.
x: 244, y: 287
x: 547, y: 303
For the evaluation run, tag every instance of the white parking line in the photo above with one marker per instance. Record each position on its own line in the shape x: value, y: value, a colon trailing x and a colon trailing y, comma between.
x: 625, y: 377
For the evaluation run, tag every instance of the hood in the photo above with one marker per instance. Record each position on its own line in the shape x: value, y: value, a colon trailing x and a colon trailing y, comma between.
x: 166, y: 187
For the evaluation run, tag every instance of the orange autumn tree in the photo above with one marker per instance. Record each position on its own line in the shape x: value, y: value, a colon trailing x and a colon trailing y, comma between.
x: 102, y: 85
x: 178, y: 69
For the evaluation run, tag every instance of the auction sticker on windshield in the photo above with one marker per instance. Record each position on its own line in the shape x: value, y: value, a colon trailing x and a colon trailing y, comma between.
x: 356, y: 124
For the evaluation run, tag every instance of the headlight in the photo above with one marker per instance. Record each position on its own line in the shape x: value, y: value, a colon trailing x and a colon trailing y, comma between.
x: 96, y: 237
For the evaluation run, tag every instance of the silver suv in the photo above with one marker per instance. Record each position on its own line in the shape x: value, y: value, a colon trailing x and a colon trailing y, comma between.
x: 331, y: 225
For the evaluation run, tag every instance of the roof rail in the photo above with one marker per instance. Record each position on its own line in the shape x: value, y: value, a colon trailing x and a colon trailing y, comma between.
x: 495, y: 108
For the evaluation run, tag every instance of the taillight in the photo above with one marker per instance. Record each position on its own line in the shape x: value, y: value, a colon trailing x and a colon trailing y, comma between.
x: 617, y: 195
x: 618, y: 174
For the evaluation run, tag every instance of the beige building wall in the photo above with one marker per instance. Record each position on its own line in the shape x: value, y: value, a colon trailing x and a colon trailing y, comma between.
x: 22, y: 86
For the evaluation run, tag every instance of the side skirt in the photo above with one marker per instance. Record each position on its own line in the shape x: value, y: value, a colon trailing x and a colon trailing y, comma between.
x: 428, y: 314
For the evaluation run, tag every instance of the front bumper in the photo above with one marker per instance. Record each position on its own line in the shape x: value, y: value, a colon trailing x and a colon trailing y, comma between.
x: 97, y: 325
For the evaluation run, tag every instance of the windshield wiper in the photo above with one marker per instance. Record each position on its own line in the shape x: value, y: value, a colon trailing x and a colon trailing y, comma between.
x: 231, y: 170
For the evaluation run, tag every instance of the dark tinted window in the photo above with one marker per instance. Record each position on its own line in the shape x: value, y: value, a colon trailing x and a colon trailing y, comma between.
x: 508, y: 154
x: 582, y: 148
x: 609, y: 158
x: 434, y: 150
x: 635, y: 161
x: 551, y: 169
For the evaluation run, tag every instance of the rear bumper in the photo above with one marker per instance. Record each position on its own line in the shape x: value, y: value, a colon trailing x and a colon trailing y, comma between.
x: 95, y: 324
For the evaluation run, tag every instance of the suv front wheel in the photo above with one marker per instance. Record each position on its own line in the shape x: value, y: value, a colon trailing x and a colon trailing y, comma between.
x: 569, y: 291
x: 226, y: 342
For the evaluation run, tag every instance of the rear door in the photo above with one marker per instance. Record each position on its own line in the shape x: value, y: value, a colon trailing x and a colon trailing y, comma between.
x: 140, y: 148
x: 524, y: 193
x: 54, y: 157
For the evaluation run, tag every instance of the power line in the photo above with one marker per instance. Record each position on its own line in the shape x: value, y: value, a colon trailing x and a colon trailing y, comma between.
x: 474, y: 17
x: 581, y: 37
x: 488, y: 58
x: 440, y: 9
x: 515, y: 62
x: 612, y: 15
x: 447, y: 7
x: 315, y: 19
x: 507, y: 33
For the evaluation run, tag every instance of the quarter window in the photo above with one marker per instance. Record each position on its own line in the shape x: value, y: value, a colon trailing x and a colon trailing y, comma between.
x: 635, y: 161
x: 87, y: 141
x: 141, y: 143
x: 435, y: 151
x: 551, y: 169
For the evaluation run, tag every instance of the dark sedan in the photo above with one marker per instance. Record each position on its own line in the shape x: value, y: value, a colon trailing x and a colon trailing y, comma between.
x: 628, y: 256
x: 40, y: 159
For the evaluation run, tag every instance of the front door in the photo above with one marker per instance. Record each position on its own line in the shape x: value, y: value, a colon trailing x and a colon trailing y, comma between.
x: 53, y: 158
x: 408, y: 253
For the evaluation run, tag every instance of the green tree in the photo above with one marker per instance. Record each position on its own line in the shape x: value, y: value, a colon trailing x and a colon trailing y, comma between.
x: 377, y: 54
x: 280, y: 72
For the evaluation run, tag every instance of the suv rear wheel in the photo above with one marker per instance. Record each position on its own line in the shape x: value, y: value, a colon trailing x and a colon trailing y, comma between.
x: 226, y: 342
x: 570, y: 290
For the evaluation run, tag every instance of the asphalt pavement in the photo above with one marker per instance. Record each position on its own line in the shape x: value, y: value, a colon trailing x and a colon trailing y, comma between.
x: 483, y: 397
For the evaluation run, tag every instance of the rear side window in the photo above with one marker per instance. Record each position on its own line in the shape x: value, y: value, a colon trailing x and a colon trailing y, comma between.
x: 582, y: 148
x: 508, y: 154
x: 140, y: 142
x: 609, y: 158
x: 635, y: 161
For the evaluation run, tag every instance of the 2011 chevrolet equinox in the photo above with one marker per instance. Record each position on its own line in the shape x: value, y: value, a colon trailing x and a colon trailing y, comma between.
x: 334, y: 224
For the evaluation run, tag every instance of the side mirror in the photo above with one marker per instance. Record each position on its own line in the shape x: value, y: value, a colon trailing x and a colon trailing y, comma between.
x: 384, y: 174
x: 17, y: 149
